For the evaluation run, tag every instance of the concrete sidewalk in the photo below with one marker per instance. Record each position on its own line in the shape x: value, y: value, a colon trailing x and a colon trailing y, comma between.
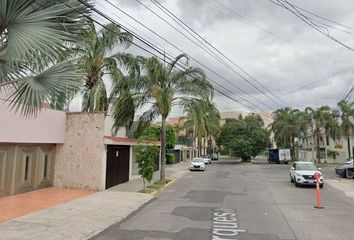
x: 78, y: 219
x: 84, y: 217
x: 343, y: 184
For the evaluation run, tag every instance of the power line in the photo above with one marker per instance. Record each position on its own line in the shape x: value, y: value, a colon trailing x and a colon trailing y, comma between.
x: 317, y: 81
x: 211, y: 70
x: 255, y: 25
x: 217, y: 50
x: 324, y: 18
x: 294, y: 10
x: 112, y: 21
x: 207, y: 51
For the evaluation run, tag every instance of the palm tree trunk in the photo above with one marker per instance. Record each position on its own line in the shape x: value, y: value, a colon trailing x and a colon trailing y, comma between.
x: 199, y: 146
x: 318, y: 149
x: 293, y: 143
x: 163, y: 148
x: 348, y: 140
x: 211, y: 147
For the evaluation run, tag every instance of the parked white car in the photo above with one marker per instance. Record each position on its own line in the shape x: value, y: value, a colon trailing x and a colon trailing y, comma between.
x: 207, y: 159
x: 302, y: 173
x: 197, y: 164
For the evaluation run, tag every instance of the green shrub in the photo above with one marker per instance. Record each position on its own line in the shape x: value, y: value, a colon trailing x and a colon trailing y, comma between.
x: 145, y: 157
x: 224, y: 151
x: 170, y: 158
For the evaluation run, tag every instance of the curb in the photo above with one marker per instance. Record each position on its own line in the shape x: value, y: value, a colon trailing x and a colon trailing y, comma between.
x: 165, y: 186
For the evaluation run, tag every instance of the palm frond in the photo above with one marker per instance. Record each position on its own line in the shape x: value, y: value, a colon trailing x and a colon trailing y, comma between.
x: 32, y: 91
x: 111, y: 36
x: 147, y: 117
x: 37, y: 34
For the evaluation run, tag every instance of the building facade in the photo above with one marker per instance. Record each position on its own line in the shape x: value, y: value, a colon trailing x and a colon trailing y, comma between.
x: 57, y: 148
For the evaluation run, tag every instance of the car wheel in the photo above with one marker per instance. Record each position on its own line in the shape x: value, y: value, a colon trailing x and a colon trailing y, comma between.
x: 321, y: 185
x: 297, y: 184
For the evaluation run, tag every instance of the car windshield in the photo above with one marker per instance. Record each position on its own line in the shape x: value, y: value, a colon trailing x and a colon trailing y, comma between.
x: 197, y: 160
x: 306, y: 167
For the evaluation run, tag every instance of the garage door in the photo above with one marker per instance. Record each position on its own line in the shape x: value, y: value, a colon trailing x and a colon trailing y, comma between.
x: 117, y: 170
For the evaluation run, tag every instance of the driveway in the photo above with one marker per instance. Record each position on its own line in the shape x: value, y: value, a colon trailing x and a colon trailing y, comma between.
x: 232, y: 200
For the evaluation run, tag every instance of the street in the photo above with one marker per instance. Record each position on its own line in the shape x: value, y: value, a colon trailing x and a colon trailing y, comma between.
x: 242, y: 201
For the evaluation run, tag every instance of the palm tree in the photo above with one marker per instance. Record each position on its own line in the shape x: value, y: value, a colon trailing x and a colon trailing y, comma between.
x: 203, y: 118
x: 287, y: 126
x: 96, y: 61
x: 35, y: 38
x: 347, y: 114
x: 158, y: 87
x: 320, y: 120
x: 333, y: 154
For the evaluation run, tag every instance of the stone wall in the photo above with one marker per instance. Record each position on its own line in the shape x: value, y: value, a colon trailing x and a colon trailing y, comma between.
x: 80, y: 161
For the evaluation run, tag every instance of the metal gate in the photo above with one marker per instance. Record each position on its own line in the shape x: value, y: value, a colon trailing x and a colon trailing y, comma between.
x: 117, y: 169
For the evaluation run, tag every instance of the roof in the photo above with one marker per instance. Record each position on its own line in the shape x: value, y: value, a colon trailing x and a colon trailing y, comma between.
x: 130, y: 141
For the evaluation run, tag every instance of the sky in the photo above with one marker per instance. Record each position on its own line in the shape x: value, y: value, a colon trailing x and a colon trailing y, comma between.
x: 284, y: 62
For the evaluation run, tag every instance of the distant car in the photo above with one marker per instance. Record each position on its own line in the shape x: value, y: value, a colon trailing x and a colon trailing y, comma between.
x: 302, y: 173
x: 207, y: 159
x: 214, y: 156
x: 197, y: 164
x: 341, y: 170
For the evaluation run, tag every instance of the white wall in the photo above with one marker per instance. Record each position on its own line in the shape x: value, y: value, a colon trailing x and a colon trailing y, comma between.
x: 108, y: 128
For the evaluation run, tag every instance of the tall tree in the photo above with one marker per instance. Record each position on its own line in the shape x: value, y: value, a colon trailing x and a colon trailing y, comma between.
x: 320, y: 120
x: 158, y: 86
x: 347, y: 125
x: 97, y: 60
x: 286, y: 127
x: 35, y: 38
x: 203, y: 119
x: 244, y: 137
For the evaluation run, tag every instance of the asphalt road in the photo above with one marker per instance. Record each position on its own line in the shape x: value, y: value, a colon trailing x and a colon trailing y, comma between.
x: 231, y: 200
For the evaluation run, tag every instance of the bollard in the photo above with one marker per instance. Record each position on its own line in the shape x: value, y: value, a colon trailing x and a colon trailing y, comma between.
x: 317, y: 176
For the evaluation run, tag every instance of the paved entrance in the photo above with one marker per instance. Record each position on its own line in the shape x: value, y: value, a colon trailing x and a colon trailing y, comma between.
x: 22, y: 204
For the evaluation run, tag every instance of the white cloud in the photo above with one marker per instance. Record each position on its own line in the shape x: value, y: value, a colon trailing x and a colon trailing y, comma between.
x: 281, y: 65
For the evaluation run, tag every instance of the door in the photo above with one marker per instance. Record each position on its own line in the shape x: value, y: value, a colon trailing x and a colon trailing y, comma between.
x: 117, y: 169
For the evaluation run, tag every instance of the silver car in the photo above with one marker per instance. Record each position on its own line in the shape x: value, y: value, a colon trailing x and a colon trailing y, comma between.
x: 207, y: 159
x: 302, y: 173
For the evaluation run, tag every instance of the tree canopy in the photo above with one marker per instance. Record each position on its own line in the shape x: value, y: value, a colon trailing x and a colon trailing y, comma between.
x: 244, y: 137
x: 153, y: 133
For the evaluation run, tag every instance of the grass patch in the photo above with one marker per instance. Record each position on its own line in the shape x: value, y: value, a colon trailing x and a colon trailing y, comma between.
x: 155, y: 186
x: 162, y: 182
x: 147, y: 190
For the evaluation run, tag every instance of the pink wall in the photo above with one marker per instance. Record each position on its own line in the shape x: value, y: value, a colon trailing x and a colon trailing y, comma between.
x: 48, y: 127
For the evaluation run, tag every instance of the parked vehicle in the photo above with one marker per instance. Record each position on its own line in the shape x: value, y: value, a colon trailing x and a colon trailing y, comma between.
x: 346, y: 167
x: 302, y: 173
x: 214, y: 157
x: 197, y: 164
x: 276, y: 155
x: 207, y: 159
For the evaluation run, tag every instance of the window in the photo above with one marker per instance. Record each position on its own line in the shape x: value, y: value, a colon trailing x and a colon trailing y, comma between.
x: 45, y: 166
x: 327, y: 140
x: 26, y: 167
